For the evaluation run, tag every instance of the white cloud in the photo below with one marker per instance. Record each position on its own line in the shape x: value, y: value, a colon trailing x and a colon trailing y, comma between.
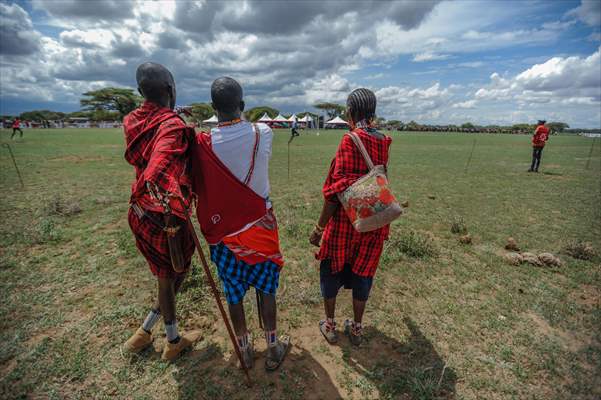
x: 560, y: 79
x: 293, y: 54
x: 430, y: 56
x: 465, y: 104
x: 471, y: 64
x: 17, y: 35
x: 589, y: 12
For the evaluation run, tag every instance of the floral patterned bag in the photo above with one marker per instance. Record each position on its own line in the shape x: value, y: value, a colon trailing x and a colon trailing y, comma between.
x: 368, y: 202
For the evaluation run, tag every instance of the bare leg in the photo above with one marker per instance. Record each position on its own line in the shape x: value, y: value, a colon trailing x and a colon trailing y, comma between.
x: 167, y: 299
x: 358, y: 310
x: 269, y: 311
x: 177, y: 284
x: 238, y: 318
x: 330, y: 307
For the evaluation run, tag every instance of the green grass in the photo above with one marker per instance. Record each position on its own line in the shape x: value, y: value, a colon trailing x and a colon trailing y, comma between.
x: 445, y: 320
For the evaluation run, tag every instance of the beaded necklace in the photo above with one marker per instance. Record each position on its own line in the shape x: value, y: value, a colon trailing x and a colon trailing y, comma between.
x: 228, y: 123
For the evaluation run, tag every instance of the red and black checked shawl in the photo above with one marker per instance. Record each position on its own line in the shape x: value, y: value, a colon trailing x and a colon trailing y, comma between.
x: 157, y: 142
x: 340, y: 241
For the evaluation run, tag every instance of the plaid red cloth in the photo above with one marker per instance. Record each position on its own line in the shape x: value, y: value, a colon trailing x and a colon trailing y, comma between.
x: 541, y: 134
x: 341, y: 243
x: 157, y: 142
x: 151, y: 240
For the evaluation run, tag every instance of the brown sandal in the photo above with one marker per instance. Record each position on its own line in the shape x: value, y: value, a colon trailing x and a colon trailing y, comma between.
x: 330, y: 334
x: 273, y: 362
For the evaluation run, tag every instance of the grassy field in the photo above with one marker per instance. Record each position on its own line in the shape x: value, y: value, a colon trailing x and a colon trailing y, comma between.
x: 445, y: 320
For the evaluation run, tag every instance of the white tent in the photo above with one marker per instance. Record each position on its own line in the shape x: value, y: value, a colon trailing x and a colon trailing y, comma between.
x: 279, y: 118
x: 337, y: 121
x: 306, y: 118
x: 293, y: 118
x: 212, y: 120
x: 265, y: 118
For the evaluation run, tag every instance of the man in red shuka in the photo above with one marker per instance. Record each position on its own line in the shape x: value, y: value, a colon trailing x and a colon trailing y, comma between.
x: 157, y: 143
x: 16, y: 127
x: 540, y: 137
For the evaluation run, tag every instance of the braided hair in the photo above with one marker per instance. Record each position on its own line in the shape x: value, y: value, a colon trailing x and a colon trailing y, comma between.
x: 361, y: 105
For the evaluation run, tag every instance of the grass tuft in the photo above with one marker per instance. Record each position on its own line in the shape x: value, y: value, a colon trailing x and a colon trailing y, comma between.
x: 413, y: 244
x: 458, y: 226
x: 580, y: 250
x: 58, y: 206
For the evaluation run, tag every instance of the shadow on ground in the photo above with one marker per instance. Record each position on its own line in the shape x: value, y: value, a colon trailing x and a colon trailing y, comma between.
x: 382, y: 368
x: 206, y: 374
x: 409, y: 370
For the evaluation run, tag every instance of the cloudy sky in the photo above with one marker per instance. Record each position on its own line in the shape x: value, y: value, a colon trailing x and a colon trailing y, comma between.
x: 487, y: 62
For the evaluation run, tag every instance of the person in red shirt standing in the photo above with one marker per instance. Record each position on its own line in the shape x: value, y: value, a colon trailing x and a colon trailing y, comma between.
x: 16, y: 127
x: 157, y: 142
x: 349, y: 258
x: 540, y: 137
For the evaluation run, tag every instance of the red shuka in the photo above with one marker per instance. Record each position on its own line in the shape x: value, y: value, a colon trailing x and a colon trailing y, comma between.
x: 341, y: 242
x: 157, y: 144
x: 16, y: 123
x: 540, y: 137
x: 224, y: 204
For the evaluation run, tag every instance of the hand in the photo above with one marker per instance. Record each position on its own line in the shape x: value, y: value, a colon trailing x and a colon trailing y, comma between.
x: 315, y: 237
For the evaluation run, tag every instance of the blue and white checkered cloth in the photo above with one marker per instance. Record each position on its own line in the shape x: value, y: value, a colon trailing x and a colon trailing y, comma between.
x: 238, y: 276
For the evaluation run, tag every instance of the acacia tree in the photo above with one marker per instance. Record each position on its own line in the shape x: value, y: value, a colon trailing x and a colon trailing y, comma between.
x: 332, y: 109
x: 558, y: 127
x: 257, y: 112
x: 201, y: 111
x: 121, y: 100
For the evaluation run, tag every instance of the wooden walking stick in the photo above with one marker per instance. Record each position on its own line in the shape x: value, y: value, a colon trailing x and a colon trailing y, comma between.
x: 215, y: 292
x: 15, y: 163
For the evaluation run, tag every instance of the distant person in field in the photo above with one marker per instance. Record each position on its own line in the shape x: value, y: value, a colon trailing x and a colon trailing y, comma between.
x: 349, y: 258
x: 237, y: 218
x: 540, y: 137
x: 17, y: 127
x: 293, y: 130
x: 157, y: 141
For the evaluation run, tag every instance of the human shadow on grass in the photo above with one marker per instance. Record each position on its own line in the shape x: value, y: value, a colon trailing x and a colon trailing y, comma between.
x: 412, y: 370
x: 207, y: 374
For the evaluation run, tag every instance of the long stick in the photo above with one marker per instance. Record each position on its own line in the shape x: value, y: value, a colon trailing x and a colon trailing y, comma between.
x: 216, y: 295
x: 15, y: 163
x: 590, y: 153
x: 469, y: 160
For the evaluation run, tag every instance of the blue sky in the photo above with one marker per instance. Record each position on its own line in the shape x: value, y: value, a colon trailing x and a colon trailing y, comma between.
x: 439, y: 62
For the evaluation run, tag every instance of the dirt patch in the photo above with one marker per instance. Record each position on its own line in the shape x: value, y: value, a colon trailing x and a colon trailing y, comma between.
x: 568, y: 339
x: 588, y: 296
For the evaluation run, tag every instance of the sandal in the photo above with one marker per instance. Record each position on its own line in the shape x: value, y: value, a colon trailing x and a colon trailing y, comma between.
x: 330, y: 334
x: 354, y: 334
x: 276, y: 354
x: 248, y: 356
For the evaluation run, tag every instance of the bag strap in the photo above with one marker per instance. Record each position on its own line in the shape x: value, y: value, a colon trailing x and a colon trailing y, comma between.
x: 251, y: 169
x: 362, y: 149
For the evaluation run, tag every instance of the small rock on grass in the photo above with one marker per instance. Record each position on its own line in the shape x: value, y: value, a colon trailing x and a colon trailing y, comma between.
x: 549, y: 259
x: 405, y: 204
x: 512, y: 245
x: 532, y: 259
x: 513, y: 258
x: 465, y: 239
x: 431, y: 197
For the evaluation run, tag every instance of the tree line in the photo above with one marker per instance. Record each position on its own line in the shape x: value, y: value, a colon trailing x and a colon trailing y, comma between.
x: 112, y: 104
